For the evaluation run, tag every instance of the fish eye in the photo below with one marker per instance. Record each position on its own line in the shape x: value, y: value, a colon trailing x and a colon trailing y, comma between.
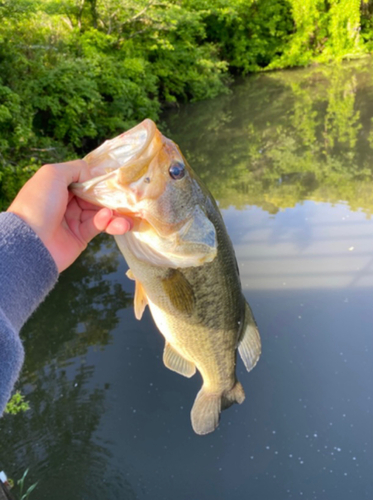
x: 177, y: 170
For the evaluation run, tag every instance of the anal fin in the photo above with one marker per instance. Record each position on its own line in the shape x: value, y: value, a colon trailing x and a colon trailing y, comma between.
x: 249, y: 345
x: 177, y: 363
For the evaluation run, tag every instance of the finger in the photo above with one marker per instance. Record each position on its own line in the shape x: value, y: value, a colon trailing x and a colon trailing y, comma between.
x: 93, y: 223
x: 73, y: 210
x: 93, y: 226
x: 70, y: 171
x: 86, y: 205
x: 102, y: 218
x: 72, y: 217
x: 88, y: 214
x: 118, y: 225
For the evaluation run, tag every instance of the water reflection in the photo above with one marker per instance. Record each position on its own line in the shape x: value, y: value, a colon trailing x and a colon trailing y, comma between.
x: 84, y: 307
x: 56, y: 439
x: 58, y: 431
x: 289, y: 158
x: 309, y: 246
x: 295, y: 135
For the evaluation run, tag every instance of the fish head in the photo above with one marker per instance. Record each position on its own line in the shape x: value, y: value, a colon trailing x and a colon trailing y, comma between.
x: 144, y: 175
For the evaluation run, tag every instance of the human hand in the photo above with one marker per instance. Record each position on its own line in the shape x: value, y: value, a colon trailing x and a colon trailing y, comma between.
x: 64, y: 223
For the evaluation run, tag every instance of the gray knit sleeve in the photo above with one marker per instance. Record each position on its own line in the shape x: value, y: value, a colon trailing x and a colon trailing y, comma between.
x: 27, y: 274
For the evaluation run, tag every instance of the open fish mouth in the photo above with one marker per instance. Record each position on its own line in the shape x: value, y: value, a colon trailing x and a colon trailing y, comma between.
x: 118, y: 163
x: 104, y: 191
x: 130, y: 149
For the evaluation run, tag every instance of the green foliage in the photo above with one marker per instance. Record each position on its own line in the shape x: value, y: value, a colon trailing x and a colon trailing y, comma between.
x: 344, y: 27
x: 17, y: 404
x: 323, y: 31
x: 249, y: 34
x: 74, y: 72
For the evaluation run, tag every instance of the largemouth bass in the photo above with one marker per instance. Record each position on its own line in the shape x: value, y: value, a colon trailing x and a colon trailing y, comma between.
x: 182, y: 261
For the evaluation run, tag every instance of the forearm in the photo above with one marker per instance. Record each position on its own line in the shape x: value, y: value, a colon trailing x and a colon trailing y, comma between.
x: 27, y: 274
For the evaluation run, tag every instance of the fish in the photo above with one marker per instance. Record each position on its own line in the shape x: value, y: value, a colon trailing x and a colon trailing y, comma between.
x: 182, y: 261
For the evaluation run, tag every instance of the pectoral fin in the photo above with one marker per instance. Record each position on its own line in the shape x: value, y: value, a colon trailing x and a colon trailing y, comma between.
x: 249, y: 346
x: 140, y: 299
x: 177, y: 363
x: 179, y: 291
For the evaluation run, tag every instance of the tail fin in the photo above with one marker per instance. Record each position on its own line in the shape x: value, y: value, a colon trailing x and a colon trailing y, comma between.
x: 206, y: 410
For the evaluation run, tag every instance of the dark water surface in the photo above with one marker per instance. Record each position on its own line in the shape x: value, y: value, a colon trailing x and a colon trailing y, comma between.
x: 289, y: 157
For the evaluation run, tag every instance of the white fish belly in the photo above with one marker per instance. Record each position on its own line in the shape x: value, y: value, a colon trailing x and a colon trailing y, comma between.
x: 162, y: 322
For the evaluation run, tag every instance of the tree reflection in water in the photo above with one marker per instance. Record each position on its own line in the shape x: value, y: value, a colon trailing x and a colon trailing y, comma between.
x: 294, y: 135
x: 58, y: 432
x: 81, y: 311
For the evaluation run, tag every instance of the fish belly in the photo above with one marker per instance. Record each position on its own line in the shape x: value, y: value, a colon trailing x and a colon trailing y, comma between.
x: 214, y: 357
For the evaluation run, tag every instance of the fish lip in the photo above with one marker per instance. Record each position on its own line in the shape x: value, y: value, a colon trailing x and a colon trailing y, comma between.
x: 85, y: 191
x: 111, y: 145
x: 119, y: 152
x: 117, y: 162
x: 81, y: 190
x: 83, y: 187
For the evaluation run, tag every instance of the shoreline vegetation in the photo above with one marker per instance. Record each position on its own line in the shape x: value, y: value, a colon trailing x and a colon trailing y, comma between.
x: 75, y: 72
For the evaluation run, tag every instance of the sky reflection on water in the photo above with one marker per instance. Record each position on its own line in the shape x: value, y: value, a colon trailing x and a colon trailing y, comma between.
x: 313, y: 245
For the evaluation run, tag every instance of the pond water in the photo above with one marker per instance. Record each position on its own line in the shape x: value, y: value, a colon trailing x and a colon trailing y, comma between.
x: 289, y: 157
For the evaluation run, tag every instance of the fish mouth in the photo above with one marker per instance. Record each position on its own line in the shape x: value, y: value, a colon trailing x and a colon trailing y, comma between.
x: 124, y: 151
x: 98, y: 191
x: 117, y: 164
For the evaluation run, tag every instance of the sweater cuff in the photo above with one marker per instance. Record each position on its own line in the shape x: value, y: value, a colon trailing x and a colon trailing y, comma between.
x: 27, y: 269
